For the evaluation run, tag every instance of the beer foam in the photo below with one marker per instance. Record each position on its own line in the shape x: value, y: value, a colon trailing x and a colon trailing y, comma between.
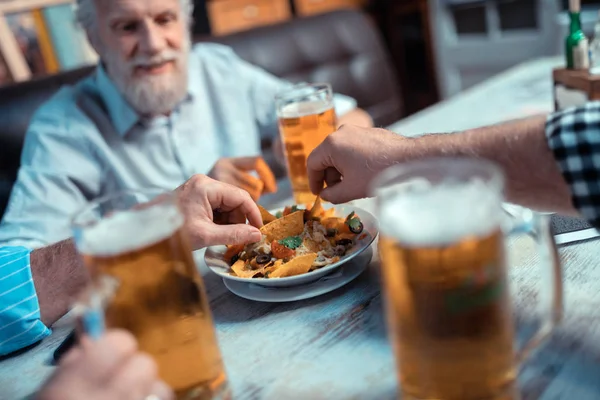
x: 300, y: 109
x: 434, y: 215
x: 129, y: 230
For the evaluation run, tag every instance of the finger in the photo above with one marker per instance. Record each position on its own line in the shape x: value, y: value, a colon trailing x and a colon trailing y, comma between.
x: 266, y: 176
x: 259, y: 165
x: 316, y: 164
x: 161, y: 390
x: 225, y: 173
x: 337, y: 193
x: 245, y: 163
x: 250, y: 184
x: 244, y: 179
x: 231, y: 234
x: 228, y: 198
x: 135, y: 378
x: 105, y: 354
x: 332, y: 176
x: 231, y: 217
x: 236, y: 217
x: 252, y: 191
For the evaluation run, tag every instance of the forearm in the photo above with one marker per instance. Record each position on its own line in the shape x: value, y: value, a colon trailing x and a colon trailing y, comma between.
x: 59, y: 275
x: 520, y: 148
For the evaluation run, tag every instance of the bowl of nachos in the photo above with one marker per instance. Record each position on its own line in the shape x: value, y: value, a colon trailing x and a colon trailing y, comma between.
x: 300, y: 244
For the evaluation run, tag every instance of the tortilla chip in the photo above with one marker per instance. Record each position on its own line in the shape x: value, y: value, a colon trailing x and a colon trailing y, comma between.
x: 335, y: 223
x: 271, y: 267
x: 345, y: 235
x: 297, y: 266
x: 240, y: 270
x: 264, y: 269
x: 232, y: 250
x: 329, y: 213
x: 343, y: 228
x: 265, y: 215
x: 290, y: 225
x: 317, y: 209
x: 239, y: 267
x: 311, y: 245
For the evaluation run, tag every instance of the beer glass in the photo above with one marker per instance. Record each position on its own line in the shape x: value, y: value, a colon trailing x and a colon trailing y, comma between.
x: 139, y: 257
x: 306, y: 116
x: 444, y: 271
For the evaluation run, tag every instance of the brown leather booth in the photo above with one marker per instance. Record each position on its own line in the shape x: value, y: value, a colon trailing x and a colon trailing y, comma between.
x: 341, y: 47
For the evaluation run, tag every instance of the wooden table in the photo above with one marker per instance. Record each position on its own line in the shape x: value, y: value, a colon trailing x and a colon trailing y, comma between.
x: 335, y: 346
x: 518, y: 92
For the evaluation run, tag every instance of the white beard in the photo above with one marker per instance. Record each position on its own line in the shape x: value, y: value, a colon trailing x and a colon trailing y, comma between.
x: 151, y: 94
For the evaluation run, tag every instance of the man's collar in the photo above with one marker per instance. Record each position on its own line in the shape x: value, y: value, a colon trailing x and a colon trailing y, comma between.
x: 122, y: 115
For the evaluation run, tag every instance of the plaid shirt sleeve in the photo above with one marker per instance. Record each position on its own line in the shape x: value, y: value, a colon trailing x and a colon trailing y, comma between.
x: 574, y: 137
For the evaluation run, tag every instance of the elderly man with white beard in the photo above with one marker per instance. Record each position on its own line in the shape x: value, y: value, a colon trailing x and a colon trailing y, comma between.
x: 156, y: 111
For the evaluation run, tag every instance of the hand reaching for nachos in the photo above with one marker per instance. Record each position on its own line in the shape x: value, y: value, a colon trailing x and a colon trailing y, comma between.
x: 236, y: 171
x: 216, y: 213
x: 296, y: 241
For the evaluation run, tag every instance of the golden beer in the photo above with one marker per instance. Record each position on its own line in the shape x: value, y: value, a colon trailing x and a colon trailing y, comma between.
x: 450, y: 316
x: 159, y: 296
x: 444, y: 271
x: 306, y: 116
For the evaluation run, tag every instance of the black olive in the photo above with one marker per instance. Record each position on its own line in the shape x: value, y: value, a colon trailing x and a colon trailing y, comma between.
x: 331, y: 232
x: 263, y: 259
x: 343, y: 242
x: 357, y: 229
x: 339, y: 250
x: 235, y: 258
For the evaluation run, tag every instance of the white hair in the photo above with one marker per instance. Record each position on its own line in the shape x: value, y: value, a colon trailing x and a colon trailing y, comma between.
x: 86, y: 13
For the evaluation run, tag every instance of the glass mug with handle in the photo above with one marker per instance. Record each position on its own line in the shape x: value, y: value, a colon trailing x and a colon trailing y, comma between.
x: 445, y: 281
x: 145, y: 280
x: 306, y: 116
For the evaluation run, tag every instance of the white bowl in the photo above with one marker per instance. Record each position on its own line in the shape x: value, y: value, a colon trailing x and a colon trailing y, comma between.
x: 217, y: 264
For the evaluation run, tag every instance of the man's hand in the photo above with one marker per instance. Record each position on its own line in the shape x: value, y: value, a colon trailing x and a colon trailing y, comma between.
x: 110, y: 368
x: 349, y: 158
x: 235, y: 172
x: 216, y: 213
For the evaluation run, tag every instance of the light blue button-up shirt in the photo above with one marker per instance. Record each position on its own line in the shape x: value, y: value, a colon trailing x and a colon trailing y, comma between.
x: 86, y: 141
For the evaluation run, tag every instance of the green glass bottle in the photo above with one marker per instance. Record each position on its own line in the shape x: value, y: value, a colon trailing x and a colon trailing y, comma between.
x: 576, y: 43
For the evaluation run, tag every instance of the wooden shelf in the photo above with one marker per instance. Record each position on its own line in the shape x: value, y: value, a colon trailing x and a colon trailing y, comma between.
x: 229, y: 16
x: 312, y: 7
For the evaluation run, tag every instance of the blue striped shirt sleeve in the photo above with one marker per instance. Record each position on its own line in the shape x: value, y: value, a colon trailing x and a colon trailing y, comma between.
x: 20, y: 323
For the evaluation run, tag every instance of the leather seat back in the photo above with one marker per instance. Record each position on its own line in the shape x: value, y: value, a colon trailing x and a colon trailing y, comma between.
x: 341, y: 47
